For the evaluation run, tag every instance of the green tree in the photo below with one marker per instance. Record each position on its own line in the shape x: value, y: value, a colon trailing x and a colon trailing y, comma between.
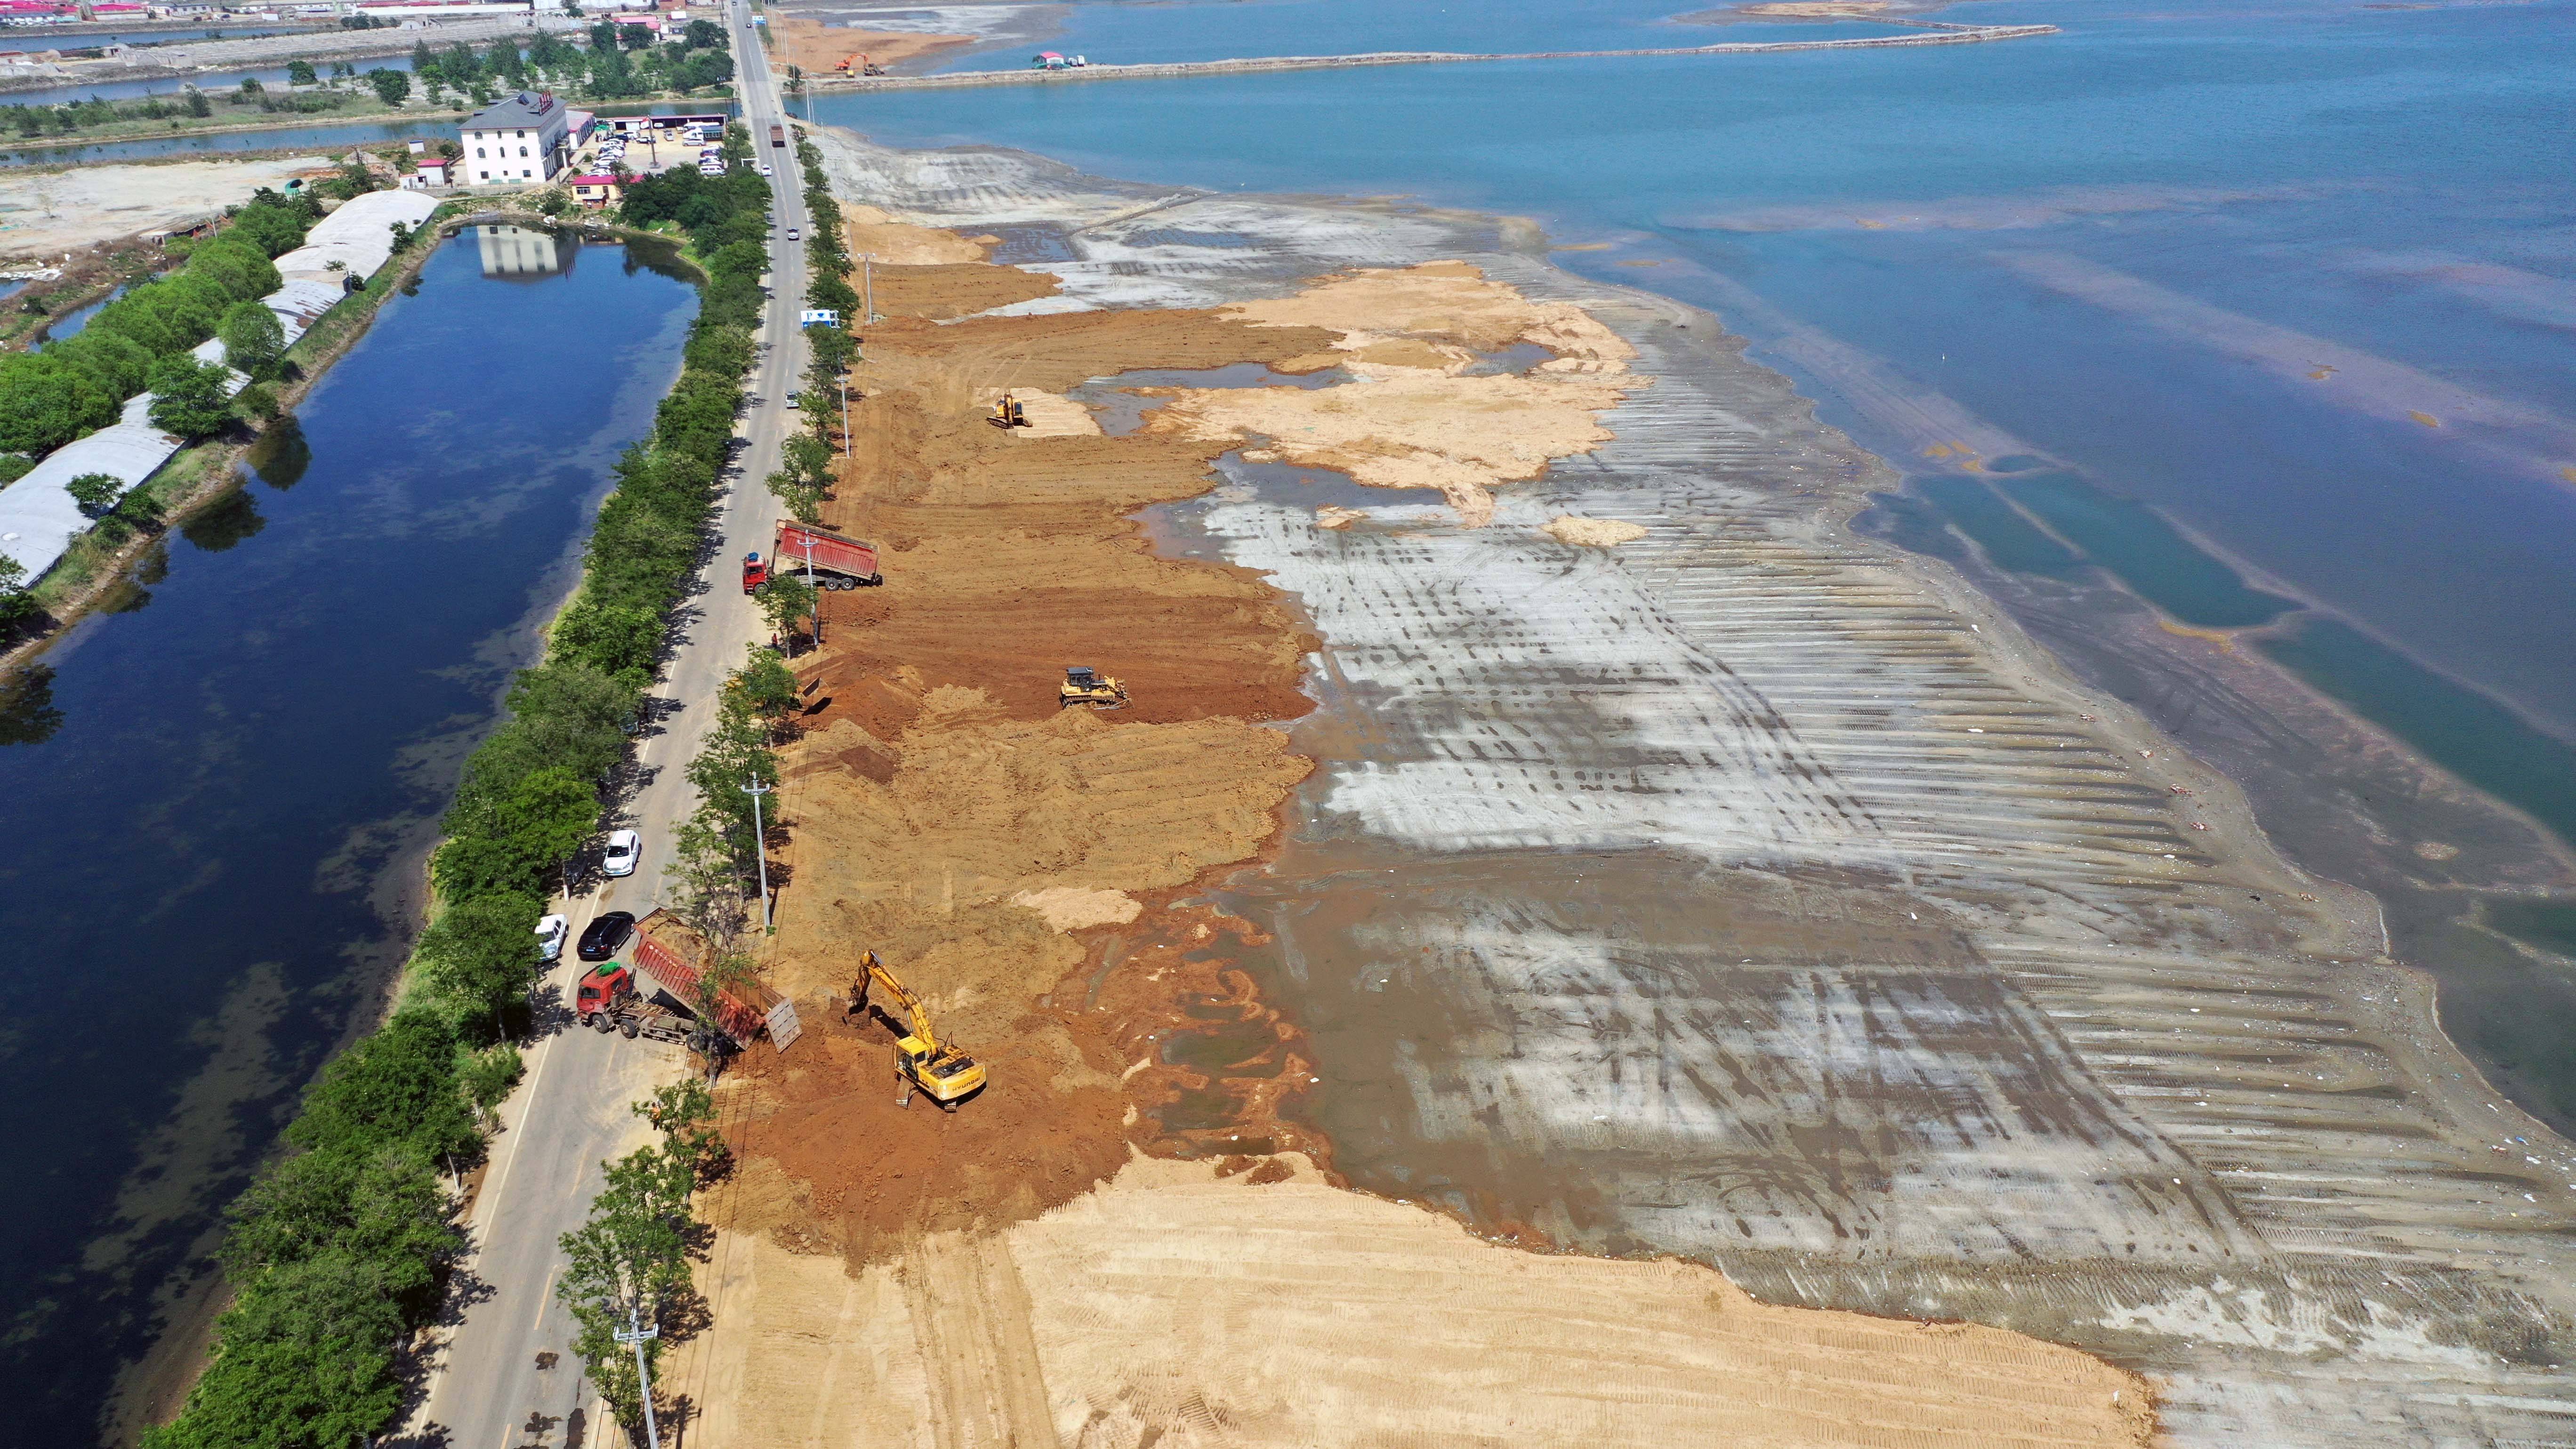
x: 481, y: 953
x: 16, y: 603
x: 766, y: 686
x: 252, y: 337
x: 191, y: 398
x: 785, y: 597
x: 509, y: 841
x: 625, y: 1265
x: 300, y: 73
x: 488, y: 1077
x: 802, y: 498
x: 95, y: 492
x: 391, y: 86
x: 684, y: 1112
x: 395, y: 1088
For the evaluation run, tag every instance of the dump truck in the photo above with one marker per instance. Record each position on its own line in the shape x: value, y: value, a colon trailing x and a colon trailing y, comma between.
x: 838, y: 562
x: 660, y: 997
x: 778, y: 136
x: 939, y: 1070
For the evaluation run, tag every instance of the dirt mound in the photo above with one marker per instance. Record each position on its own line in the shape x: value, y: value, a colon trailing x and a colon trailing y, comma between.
x: 869, y: 232
x: 1593, y: 532
x: 817, y: 48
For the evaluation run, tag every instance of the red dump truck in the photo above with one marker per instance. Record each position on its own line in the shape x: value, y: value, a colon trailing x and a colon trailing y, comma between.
x: 839, y: 563
x: 660, y: 998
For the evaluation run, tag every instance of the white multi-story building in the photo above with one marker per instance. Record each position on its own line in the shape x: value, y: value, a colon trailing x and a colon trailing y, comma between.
x: 521, y: 138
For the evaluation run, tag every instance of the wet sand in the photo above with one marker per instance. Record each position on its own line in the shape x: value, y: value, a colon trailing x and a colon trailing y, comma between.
x: 1744, y: 891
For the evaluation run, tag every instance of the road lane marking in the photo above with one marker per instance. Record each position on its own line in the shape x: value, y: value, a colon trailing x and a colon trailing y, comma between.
x: 543, y: 1299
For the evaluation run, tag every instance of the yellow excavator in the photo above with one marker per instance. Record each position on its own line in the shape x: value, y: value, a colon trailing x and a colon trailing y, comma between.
x: 1085, y: 685
x: 943, y: 1073
x: 1008, y: 413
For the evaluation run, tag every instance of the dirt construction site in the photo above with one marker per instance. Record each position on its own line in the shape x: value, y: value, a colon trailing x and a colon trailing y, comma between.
x: 1564, y: 939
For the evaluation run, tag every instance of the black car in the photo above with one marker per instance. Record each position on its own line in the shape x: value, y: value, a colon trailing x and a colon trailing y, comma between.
x: 601, y: 938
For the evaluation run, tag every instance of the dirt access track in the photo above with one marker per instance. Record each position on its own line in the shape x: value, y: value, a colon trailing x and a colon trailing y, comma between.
x: 1105, y: 1248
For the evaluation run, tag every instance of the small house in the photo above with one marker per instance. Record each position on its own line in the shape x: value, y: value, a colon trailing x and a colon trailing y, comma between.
x: 596, y: 190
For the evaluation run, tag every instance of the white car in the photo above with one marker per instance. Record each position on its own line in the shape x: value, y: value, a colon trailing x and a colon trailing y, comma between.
x: 550, y: 937
x: 625, y: 847
x: 764, y: 168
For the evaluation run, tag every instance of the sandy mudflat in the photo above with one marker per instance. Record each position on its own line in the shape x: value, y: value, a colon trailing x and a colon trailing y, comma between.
x: 1744, y: 892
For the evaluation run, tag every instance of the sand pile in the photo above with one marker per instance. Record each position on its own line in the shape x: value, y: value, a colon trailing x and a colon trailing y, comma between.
x: 1593, y: 532
x: 1050, y: 415
x: 870, y: 232
x: 1416, y: 418
x: 1178, y: 1307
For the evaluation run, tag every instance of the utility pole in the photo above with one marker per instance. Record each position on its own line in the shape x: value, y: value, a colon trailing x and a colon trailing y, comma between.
x: 760, y: 844
x: 868, y: 285
x: 638, y: 1335
x: 845, y: 417
x: 818, y: 593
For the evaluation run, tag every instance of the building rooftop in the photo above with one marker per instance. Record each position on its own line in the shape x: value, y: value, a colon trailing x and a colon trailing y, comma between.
x: 525, y: 109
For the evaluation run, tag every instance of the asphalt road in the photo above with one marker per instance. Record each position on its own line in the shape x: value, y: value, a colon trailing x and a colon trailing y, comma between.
x: 487, y: 1390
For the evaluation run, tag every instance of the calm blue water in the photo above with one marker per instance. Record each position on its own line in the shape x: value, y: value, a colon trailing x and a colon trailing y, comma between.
x: 211, y: 799
x: 2399, y: 184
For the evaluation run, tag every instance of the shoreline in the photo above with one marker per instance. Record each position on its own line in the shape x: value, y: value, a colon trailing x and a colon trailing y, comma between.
x: 305, y: 123
x: 1049, y: 913
x: 1943, y: 35
x: 2425, y: 1083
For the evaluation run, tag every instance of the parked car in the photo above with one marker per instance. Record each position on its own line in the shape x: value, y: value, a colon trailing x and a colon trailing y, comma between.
x: 601, y: 938
x: 624, y: 848
x: 550, y: 937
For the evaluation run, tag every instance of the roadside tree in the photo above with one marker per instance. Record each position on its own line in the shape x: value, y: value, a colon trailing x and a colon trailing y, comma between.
x: 785, y: 598
x: 487, y: 1078
x: 624, y: 1266
x: 510, y: 840
x: 481, y: 955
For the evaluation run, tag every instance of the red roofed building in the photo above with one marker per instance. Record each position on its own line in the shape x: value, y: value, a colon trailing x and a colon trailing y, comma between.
x: 596, y: 190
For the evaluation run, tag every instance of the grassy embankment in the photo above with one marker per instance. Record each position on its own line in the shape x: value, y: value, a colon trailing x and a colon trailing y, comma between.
x: 341, y: 1251
x: 630, y: 1260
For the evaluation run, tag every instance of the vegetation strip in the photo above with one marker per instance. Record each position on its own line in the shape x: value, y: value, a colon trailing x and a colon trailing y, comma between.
x: 340, y: 1253
x: 629, y: 1262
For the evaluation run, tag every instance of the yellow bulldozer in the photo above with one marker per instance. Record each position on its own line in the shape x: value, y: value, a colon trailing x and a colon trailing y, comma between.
x: 921, y: 1060
x: 1085, y: 685
x: 1008, y: 413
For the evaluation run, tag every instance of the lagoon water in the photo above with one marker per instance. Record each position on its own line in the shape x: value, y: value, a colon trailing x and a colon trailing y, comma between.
x: 215, y: 795
x: 2267, y: 312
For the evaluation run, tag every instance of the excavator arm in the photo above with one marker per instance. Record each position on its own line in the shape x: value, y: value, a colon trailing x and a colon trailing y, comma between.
x: 913, y: 1010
